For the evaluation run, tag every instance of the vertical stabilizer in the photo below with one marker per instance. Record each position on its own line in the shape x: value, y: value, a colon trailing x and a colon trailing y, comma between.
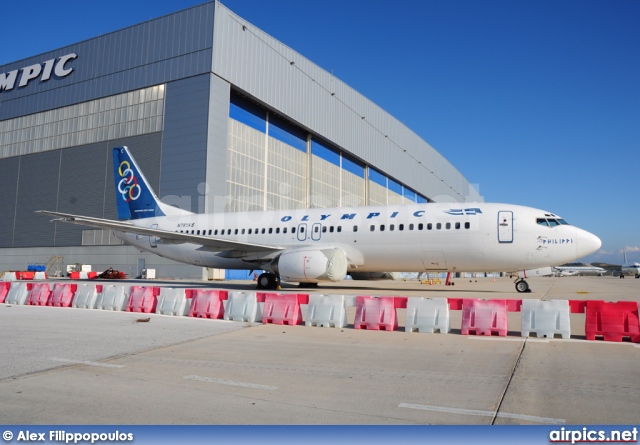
x: 134, y: 196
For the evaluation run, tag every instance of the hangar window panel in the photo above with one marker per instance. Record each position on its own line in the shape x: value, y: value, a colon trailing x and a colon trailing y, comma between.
x: 288, y: 133
x: 248, y: 113
x: 325, y: 152
x: 353, y: 189
x: 422, y: 199
x: 353, y: 166
x: 409, y: 194
x: 325, y: 183
x: 377, y: 194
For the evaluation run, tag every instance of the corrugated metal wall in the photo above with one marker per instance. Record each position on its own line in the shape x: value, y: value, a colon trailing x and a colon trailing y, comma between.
x: 151, y: 53
x: 274, y: 74
x: 75, y: 180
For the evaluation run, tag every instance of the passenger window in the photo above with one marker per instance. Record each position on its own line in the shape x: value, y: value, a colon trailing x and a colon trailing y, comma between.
x: 420, y: 226
x: 372, y: 228
x: 457, y: 225
x: 467, y: 225
x: 192, y: 232
x: 243, y: 230
x: 236, y: 232
x: 301, y: 230
x: 284, y: 230
x: 355, y: 228
x: 277, y: 229
x: 438, y: 226
x: 198, y: 232
x: 392, y: 227
x: 339, y: 228
x: 429, y: 226
x: 324, y: 229
x: 250, y: 230
x: 400, y: 226
x: 209, y: 232
x: 215, y: 232
x: 448, y: 226
x: 382, y: 227
x: 263, y: 230
x: 331, y: 229
x: 316, y: 229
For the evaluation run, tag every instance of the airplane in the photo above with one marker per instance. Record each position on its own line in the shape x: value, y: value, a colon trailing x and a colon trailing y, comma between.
x: 629, y: 268
x: 564, y: 271
x: 311, y: 246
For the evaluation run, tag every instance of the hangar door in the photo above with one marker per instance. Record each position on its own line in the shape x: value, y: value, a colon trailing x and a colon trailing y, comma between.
x: 505, y: 227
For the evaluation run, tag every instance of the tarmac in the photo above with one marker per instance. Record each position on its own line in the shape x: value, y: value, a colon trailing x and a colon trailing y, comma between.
x: 64, y: 366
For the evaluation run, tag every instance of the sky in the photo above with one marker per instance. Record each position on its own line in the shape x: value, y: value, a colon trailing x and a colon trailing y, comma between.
x: 536, y: 102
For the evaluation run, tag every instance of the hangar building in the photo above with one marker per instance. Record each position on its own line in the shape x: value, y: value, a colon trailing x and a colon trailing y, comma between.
x: 219, y: 115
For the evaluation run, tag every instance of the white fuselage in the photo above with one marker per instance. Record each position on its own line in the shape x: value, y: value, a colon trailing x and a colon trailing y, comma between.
x: 408, y: 238
x: 631, y: 269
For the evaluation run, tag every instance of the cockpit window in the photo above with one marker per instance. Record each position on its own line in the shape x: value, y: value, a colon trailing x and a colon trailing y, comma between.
x: 562, y: 221
x: 542, y: 222
x: 553, y: 222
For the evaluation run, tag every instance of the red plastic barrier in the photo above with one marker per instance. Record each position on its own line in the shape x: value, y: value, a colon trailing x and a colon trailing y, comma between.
x: 74, y: 275
x: 206, y: 303
x: 39, y: 294
x: 25, y: 275
x: 142, y: 299
x: 376, y: 313
x: 4, y: 290
x: 282, y: 308
x: 612, y: 321
x: 62, y: 295
x: 484, y: 317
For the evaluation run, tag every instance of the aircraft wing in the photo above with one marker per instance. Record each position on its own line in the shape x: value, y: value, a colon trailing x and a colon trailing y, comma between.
x: 165, y: 236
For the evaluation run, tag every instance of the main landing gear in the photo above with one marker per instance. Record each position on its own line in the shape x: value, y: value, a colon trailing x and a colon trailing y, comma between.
x: 269, y: 281
x: 448, y: 281
x: 522, y: 286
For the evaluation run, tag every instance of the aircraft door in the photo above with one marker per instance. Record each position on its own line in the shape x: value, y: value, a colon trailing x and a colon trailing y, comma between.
x: 316, y: 231
x: 153, y: 240
x: 302, y: 232
x: 505, y: 227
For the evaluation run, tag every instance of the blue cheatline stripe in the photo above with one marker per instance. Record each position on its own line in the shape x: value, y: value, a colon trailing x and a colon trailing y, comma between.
x: 377, y: 177
x: 409, y: 194
x: 325, y: 152
x: 287, y: 133
x: 352, y: 166
x: 395, y: 187
x: 248, y: 113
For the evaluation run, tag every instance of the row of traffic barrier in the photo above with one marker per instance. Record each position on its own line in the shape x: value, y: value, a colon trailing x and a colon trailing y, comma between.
x: 611, y: 321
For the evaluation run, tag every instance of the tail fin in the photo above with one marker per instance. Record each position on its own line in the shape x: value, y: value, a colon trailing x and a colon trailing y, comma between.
x: 134, y: 196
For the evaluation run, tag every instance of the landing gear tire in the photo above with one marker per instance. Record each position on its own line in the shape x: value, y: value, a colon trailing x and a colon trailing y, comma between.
x: 637, y: 276
x: 268, y: 281
x: 522, y: 286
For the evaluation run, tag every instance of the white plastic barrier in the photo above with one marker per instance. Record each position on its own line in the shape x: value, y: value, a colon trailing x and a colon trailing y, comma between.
x: 427, y: 315
x: 172, y: 302
x: 545, y: 318
x: 86, y: 296
x: 113, y: 297
x: 18, y: 294
x: 243, y: 306
x: 9, y: 276
x: 40, y: 276
x: 326, y: 311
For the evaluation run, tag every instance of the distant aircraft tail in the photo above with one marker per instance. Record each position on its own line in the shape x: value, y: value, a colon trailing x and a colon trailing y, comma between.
x: 134, y: 196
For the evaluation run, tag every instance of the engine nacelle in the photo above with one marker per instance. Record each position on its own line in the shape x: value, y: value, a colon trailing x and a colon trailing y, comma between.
x: 309, y: 265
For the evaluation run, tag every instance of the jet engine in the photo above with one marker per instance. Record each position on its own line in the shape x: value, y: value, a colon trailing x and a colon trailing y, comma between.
x: 309, y: 265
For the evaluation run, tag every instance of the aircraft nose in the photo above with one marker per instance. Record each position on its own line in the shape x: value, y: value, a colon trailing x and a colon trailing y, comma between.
x: 587, y: 243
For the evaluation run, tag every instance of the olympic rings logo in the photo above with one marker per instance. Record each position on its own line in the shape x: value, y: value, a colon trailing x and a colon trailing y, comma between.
x: 128, y: 185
